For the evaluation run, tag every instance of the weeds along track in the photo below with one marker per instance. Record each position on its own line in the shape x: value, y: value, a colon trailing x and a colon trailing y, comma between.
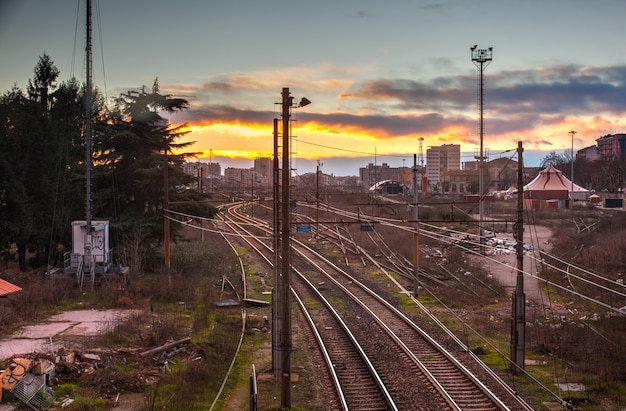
x: 416, y: 371
x: 352, y: 381
x: 409, y: 361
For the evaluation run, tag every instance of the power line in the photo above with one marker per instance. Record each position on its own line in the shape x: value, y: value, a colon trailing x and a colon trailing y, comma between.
x: 351, y: 151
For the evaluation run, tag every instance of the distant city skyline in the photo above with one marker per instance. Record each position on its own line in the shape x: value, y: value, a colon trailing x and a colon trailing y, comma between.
x: 343, y: 167
x: 381, y: 75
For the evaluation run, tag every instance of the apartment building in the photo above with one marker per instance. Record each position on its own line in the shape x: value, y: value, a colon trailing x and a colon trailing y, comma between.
x: 440, y: 159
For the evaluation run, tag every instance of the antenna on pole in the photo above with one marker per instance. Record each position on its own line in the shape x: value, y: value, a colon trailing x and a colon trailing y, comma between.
x: 88, y: 129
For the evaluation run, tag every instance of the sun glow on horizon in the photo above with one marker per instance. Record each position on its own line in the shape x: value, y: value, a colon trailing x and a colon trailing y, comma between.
x: 317, y: 140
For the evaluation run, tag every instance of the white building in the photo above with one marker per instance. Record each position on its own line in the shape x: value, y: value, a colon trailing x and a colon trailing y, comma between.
x: 440, y: 159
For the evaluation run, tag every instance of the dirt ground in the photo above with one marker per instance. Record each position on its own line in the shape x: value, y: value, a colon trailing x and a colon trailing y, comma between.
x: 504, y: 266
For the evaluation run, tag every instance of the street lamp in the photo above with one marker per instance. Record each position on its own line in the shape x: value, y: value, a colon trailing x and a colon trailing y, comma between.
x: 281, y: 334
x: 481, y: 59
x: 572, y: 170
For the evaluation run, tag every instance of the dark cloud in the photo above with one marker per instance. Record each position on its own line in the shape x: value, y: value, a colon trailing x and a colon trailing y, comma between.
x: 383, y: 126
x: 566, y: 90
x: 516, y: 101
x: 207, y: 115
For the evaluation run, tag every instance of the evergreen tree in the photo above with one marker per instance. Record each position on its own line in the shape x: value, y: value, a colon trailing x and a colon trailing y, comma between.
x: 46, y: 74
x: 141, y: 145
x: 23, y: 141
x: 42, y: 170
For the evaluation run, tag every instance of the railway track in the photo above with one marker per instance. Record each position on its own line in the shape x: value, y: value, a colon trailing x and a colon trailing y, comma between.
x: 352, y: 379
x: 374, y: 353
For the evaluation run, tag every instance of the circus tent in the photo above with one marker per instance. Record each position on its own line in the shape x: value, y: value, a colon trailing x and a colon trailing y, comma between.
x: 551, y: 184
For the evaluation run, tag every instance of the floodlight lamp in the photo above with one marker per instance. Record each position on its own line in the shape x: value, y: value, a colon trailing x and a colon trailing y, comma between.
x: 304, y: 102
x: 482, y: 55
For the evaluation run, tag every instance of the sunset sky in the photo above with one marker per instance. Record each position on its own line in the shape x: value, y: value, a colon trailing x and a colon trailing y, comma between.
x: 380, y: 74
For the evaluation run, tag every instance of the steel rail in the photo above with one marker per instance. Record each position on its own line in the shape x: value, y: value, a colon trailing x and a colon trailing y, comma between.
x: 390, y: 404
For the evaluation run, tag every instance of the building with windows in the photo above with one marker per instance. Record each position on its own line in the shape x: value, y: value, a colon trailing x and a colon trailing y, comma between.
x: 612, y: 147
x: 197, y: 169
x: 459, y: 182
x: 590, y: 154
x: 214, y: 169
x: 263, y: 166
x: 440, y: 159
x: 372, y: 174
x: 501, y: 174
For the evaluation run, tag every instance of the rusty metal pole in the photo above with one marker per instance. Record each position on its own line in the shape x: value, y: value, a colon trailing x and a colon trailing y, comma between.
x: 317, y: 201
x: 518, y: 323
x: 416, y: 241
x: 166, y: 221
x: 285, y: 288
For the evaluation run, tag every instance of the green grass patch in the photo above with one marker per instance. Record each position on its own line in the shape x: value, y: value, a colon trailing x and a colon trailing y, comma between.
x: 85, y: 398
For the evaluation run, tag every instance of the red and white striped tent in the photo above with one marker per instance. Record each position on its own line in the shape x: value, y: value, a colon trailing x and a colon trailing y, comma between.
x: 551, y: 184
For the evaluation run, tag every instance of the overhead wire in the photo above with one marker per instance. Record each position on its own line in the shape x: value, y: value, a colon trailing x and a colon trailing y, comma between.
x: 447, y: 239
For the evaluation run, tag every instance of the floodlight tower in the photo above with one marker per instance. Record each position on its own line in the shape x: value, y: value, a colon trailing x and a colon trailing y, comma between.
x: 481, y: 59
x: 571, y: 197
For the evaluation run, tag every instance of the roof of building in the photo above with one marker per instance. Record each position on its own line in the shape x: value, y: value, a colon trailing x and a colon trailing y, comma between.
x: 503, y: 160
x: 7, y: 288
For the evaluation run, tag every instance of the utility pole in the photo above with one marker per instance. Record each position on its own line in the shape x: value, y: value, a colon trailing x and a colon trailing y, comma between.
x: 317, y: 199
x: 416, y: 248
x: 571, y: 197
x: 421, y: 158
x: 284, y: 278
x: 276, y: 320
x: 481, y: 59
x: 518, y: 320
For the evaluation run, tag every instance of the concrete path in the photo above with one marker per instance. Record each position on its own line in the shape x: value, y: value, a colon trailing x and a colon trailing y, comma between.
x: 48, y: 336
x: 504, y: 266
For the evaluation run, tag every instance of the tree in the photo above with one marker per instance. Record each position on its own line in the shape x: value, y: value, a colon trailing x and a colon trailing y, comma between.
x: 25, y: 140
x: 40, y: 153
x: 46, y: 74
x: 554, y: 159
x: 142, y: 142
x: 42, y: 170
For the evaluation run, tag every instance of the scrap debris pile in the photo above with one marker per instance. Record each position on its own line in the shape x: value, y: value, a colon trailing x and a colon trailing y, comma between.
x: 32, y: 378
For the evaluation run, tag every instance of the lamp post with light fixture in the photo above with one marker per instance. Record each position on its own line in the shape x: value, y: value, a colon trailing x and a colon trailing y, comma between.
x: 571, y: 197
x: 481, y: 59
x: 282, y: 288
